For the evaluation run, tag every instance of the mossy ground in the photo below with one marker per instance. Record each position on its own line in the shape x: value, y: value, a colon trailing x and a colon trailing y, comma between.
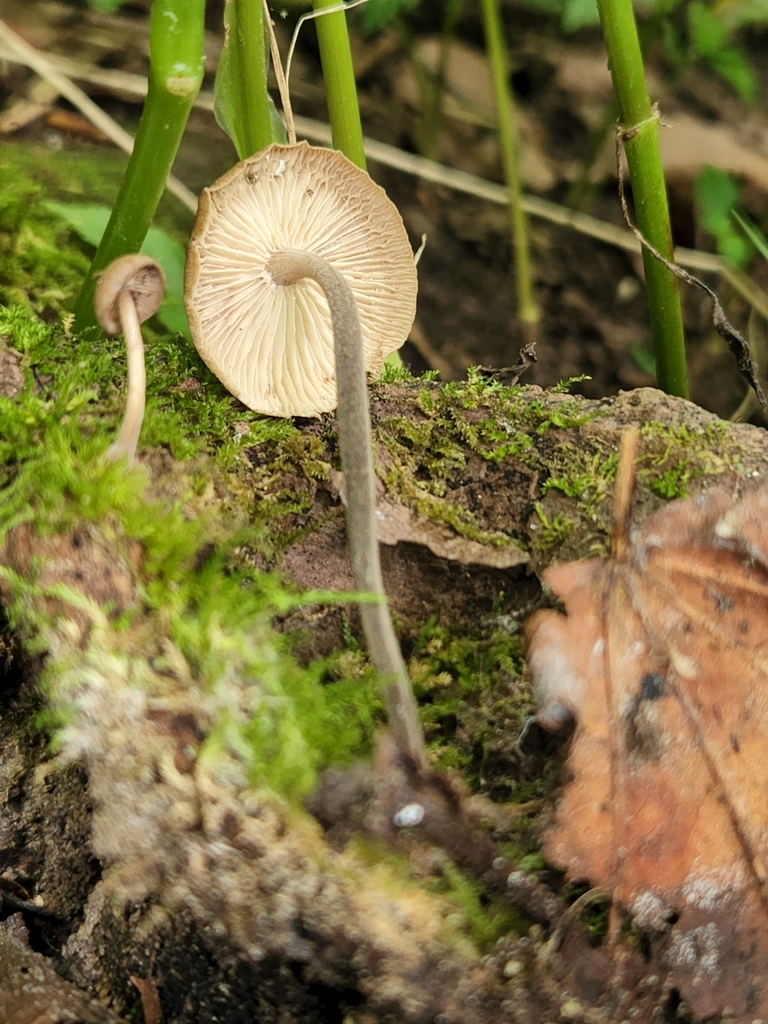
x: 221, y: 489
x: 187, y: 507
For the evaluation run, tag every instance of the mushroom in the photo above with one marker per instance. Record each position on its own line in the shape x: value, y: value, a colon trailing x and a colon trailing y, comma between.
x: 298, y: 265
x: 127, y: 293
x: 272, y: 347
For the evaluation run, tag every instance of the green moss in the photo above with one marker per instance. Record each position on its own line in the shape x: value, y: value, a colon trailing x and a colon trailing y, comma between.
x: 468, y: 686
x: 52, y: 474
x: 680, y: 454
x: 300, y: 456
x: 222, y: 624
x: 53, y: 436
x: 396, y: 373
x: 577, y: 495
x: 201, y: 620
x: 224, y: 480
x: 589, y: 478
x: 554, y: 530
x: 80, y: 392
x: 221, y: 486
x: 506, y: 415
x: 487, y: 917
x: 477, y: 417
x: 42, y: 266
x: 564, y: 386
x: 480, y: 916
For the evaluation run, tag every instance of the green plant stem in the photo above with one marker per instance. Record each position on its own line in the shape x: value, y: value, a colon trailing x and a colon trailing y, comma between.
x: 641, y: 143
x: 432, y: 86
x: 176, y: 74
x: 339, y: 79
x: 581, y: 190
x: 249, y: 56
x: 505, y: 109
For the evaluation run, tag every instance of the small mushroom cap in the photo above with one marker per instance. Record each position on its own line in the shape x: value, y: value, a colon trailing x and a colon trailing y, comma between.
x: 272, y: 345
x: 141, y: 276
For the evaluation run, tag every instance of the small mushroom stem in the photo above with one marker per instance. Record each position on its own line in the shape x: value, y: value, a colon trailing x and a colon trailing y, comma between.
x: 287, y: 267
x: 127, y: 293
x: 124, y: 445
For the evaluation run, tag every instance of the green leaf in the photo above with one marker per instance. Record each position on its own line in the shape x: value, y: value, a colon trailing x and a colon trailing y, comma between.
x: 710, y: 41
x: 753, y: 12
x: 554, y: 7
x: 171, y: 256
x: 734, y: 249
x: 753, y: 233
x: 644, y: 358
x: 707, y: 32
x: 579, y: 14
x: 659, y: 8
x: 376, y: 13
x: 674, y: 50
x: 90, y: 222
x: 714, y: 193
x: 736, y: 68
x: 227, y: 95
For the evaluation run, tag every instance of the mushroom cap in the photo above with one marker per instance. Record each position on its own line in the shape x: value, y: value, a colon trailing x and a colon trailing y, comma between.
x: 271, y: 345
x: 142, y: 276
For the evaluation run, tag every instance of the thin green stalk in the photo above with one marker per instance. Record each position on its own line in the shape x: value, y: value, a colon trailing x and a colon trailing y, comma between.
x: 433, y: 87
x: 247, y: 77
x: 641, y: 143
x: 581, y: 190
x: 497, y: 53
x: 339, y: 79
x: 176, y: 74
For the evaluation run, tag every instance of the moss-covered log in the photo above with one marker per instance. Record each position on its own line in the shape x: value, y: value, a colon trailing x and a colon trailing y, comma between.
x: 182, y: 681
x: 149, y: 619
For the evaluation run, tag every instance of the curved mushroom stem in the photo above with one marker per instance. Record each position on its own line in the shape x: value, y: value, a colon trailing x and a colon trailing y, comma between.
x: 127, y: 293
x: 356, y: 443
x: 124, y: 446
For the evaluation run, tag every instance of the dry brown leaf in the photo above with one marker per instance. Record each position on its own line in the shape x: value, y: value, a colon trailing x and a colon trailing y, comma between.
x: 662, y: 659
x: 688, y: 142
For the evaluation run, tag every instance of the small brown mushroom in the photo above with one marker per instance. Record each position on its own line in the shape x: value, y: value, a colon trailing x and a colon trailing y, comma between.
x: 299, y: 265
x: 129, y: 292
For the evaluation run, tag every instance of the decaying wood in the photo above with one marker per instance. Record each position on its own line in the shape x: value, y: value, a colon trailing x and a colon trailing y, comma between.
x: 31, y: 992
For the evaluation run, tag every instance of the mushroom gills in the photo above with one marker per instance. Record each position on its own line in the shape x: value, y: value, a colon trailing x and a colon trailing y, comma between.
x: 274, y: 351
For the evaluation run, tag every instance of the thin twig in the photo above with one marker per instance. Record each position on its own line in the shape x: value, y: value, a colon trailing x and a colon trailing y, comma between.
x: 624, y: 489
x: 282, y: 79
